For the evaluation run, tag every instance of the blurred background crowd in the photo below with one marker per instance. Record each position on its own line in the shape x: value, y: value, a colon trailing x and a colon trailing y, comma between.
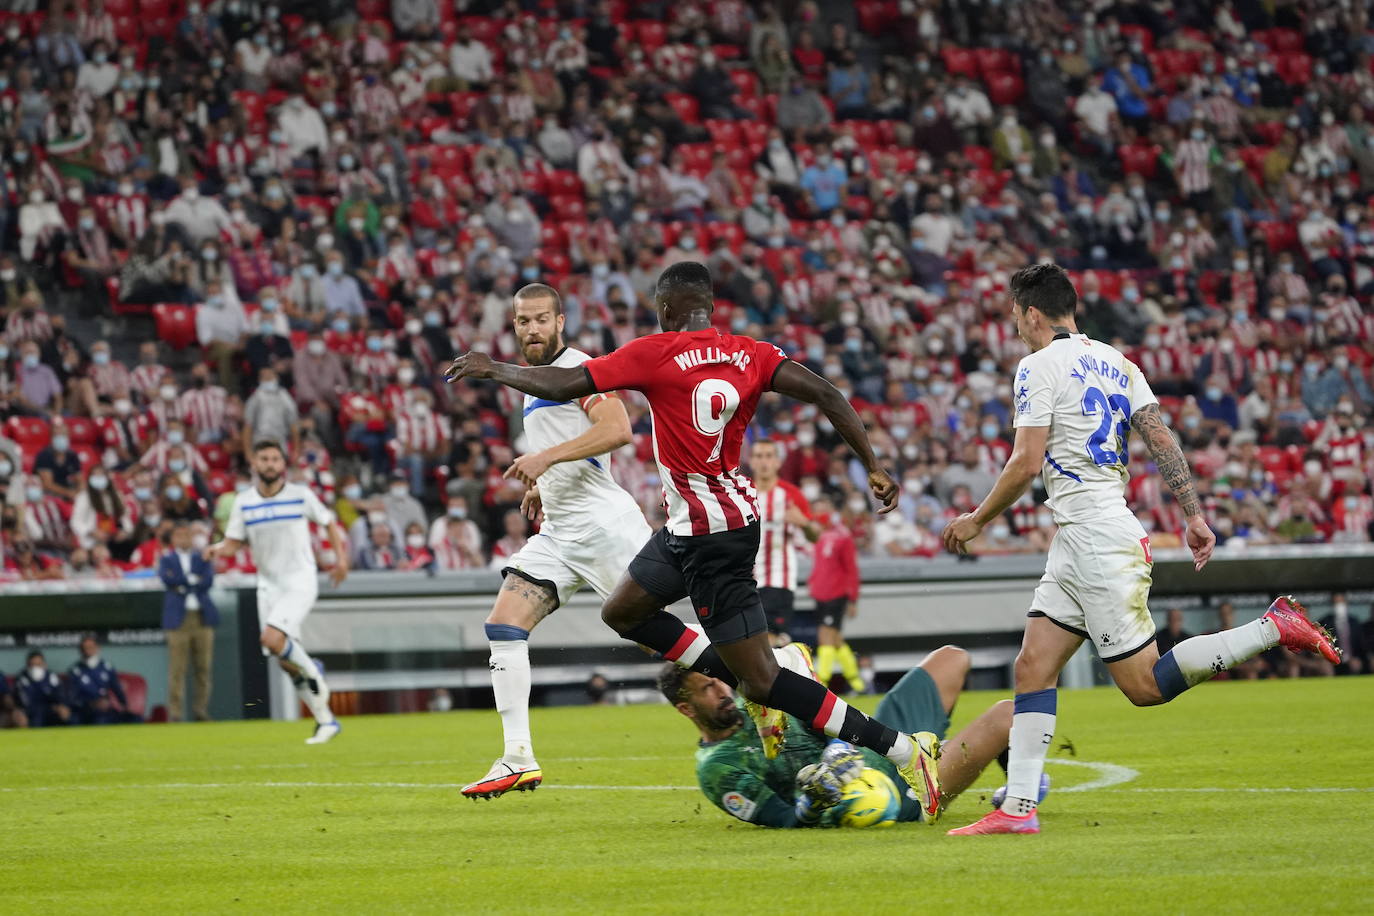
x: 224, y: 221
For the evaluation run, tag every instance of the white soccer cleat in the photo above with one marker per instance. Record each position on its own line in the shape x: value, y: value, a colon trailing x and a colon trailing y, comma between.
x: 505, y: 777
x: 325, y: 732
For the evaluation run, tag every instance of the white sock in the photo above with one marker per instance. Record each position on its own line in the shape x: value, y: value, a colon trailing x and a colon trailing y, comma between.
x: 1202, y: 657
x: 318, y: 703
x: 1032, y: 728
x: 510, y: 682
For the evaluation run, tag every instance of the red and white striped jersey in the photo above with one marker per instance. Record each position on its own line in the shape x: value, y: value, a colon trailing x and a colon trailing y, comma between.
x: 776, y: 565
x: 1191, y: 170
x: 204, y: 409
x: 147, y: 378
x: 47, y: 519
x: 421, y: 432
x: 703, y: 387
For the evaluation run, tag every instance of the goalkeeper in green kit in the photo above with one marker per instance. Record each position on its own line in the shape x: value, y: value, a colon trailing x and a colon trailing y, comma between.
x: 804, y: 786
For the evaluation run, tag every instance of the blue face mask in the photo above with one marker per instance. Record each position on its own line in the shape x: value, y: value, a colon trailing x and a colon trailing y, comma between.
x: 432, y: 319
x: 374, y: 344
x: 989, y: 431
x: 60, y: 443
x: 176, y: 465
x: 340, y: 326
x: 174, y: 494
x: 335, y: 268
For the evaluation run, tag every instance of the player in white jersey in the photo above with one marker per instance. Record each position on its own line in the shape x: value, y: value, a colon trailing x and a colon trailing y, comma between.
x: 1076, y: 400
x: 273, y: 517
x: 591, y: 529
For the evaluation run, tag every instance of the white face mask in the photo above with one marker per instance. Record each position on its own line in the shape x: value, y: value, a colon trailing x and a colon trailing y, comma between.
x: 415, y: 541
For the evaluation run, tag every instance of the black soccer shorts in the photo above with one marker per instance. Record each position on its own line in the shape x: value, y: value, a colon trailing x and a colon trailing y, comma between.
x: 715, y: 570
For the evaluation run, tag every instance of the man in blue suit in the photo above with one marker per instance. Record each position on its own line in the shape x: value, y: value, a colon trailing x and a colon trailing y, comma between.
x: 189, y: 616
x: 93, y: 686
x: 39, y: 693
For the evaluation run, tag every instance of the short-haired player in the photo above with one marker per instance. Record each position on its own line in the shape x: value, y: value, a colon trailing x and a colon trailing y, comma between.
x: 273, y: 518
x: 1076, y: 400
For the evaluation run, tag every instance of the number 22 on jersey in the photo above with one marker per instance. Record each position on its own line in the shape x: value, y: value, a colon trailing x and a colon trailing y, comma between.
x: 714, y: 402
x: 1095, y: 402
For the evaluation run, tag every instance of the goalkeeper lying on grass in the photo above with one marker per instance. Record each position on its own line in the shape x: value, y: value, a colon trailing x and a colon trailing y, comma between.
x: 804, y: 786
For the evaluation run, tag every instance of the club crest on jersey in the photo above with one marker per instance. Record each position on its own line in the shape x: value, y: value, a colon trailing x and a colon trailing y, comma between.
x: 702, y: 356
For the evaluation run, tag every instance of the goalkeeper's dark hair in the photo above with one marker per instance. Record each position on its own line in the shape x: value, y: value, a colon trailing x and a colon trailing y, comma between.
x: 671, y: 680
x: 686, y: 284
x: 1047, y: 287
x: 538, y: 291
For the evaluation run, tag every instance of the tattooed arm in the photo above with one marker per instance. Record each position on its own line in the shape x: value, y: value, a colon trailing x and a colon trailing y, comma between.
x: 1173, y: 467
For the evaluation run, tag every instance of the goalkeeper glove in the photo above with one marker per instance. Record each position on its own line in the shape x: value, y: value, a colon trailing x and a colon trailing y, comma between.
x: 844, y: 760
x: 817, y: 791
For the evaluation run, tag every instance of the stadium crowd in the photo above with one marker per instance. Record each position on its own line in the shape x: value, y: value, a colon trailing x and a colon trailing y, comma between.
x: 233, y: 220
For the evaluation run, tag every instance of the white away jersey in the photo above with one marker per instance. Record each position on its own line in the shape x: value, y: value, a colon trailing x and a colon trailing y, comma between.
x: 1086, y: 392
x: 580, y: 498
x: 277, y: 528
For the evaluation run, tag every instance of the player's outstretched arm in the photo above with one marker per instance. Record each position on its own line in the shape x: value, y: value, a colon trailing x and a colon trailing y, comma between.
x: 801, y: 384
x: 225, y: 548
x: 1173, y: 467
x: 1027, y: 458
x: 609, y: 431
x: 556, y: 383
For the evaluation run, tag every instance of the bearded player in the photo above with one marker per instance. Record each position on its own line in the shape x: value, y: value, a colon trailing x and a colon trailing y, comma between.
x: 273, y: 518
x: 734, y: 774
x: 590, y: 532
x: 703, y: 386
x: 1076, y: 398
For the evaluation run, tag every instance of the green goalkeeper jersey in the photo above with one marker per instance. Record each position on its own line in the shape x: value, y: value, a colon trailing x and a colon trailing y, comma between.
x: 743, y: 783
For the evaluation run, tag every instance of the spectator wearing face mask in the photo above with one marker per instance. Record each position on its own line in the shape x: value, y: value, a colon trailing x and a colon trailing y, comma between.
x: 221, y: 326
x: 37, y: 388
x: 39, y: 693
x: 101, y: 516
x: 268, y: 348
x: 414, y: 553
x: 270, y: 413
x: 178, y: 501
x: 203, y: 218
x: 823, y: 183
x: 97, y: 697
x: 57, y: 466
x: 45, y: 518
x: 455, y: 538
x: 320, y: 381
x: 342, y: 294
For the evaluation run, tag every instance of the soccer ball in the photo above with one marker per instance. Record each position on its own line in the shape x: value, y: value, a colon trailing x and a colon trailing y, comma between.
x: 870, y: 800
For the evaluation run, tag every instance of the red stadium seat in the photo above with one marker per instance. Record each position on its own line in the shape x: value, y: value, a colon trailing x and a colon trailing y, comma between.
x: 565, y: 183
x: 1296, y: 69
x: 552, y: 236
x: 215, y: 456
x: 569, y: 208
x: 1271, y: 132
x: 1279, y: 235
x: 1137, y: 159
x: 128, y: 30
x: 979, y: 156
x: 652, y: 34
x: 697, y: 157
x: 731, y: 231
x: 960, y: 61
x: 726, y: 133
x: 135, y: 692
x: 32, y: 433
x: 1005, y: 88
x: 254, y: 107
x: 1282, y: 41
x: 555, y: 262
x: 176, y: 324
x: 996, y: 60
x: 746, y: 82
x: 219, y: 482
x: 755, y: 134
x: 82, y: 431
x: 685, y: 105
x: 865, y: 132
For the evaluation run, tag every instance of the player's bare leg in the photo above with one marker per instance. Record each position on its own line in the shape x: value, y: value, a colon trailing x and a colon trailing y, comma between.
x: 970, y: 751
x: 308, y: 679
x: 520, y: 606
x: 1046, y: 648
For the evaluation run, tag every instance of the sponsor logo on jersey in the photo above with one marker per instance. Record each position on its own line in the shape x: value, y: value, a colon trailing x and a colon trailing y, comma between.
x: 739, y: 806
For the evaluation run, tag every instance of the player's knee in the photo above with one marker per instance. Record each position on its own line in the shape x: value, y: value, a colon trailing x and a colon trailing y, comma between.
x: 953, y: 658
x: 615, y: 617
x: 1002, y: 711
x: 272, y: 641
x: 755, y: 690
x: 1027, y: 671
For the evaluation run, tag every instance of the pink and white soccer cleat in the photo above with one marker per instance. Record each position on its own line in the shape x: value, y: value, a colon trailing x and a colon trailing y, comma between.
x: 1000, y: 822
x: 1299, y: 633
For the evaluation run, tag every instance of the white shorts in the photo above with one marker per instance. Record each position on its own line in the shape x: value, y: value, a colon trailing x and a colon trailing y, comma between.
x: 566, y: 566
x: 285, y: 605
x: 1097, y: 584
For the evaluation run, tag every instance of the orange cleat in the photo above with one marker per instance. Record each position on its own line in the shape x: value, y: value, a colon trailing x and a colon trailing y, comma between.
x: 1298, y: 632
x: 1000, y: 822
x: 503, y: 778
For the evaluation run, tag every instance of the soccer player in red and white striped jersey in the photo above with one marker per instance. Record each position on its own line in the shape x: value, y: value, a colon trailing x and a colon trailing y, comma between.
x: 703, y: 387
x: 784, y: 525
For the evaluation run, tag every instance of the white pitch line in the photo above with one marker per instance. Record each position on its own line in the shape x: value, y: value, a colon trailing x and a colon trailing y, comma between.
x: 1108, y: 774
x: 89, y: 771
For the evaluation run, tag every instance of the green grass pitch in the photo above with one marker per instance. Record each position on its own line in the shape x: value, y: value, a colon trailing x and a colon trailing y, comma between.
x: 1252, y: 797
